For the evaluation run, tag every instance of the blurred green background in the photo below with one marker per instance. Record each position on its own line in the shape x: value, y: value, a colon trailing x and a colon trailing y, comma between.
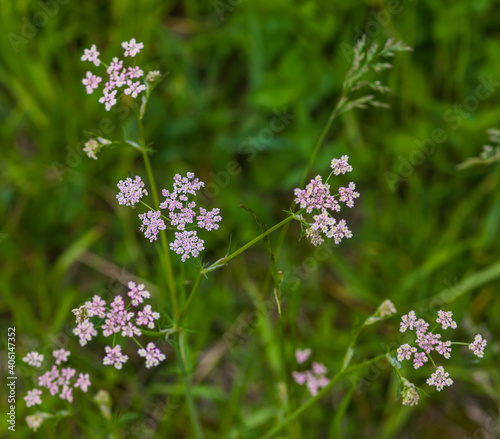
x: 428, y: 242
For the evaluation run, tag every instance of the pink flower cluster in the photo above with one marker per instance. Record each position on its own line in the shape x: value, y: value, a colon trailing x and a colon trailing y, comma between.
x: 58, y: 380
x: 119, y: 76
x: 316, y: 196
x: 315, y: 378
x: 429, y: 342
x: 131, y: 191
x: 119, y: 319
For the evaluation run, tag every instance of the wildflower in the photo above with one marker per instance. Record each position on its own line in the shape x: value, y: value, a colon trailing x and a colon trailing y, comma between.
x: 386, y: 309
x: 427, y: 341
x: 405, y: 351
x: 61, y: 355
x: 96, y: 307
x: 147, y: 316
x: 445, y: 320
x: 409, y: 393
x: 152, y: 224
x: 419, y: 359
x: 66, y: 393
x: 33, y: 397
x: 316, y: 195
x: 408, y: 321
x: 33, y: 359
x: 66, y: 375
x: 348, y: 194
x: 152, y: 354
x: 421, y: 326
x: 132, y: 48
x: 114, y: 357
x: 440, y: 378
x: 477, y: 346
x: 153, y: 76
x: 34, y: 421
x: 91, y: 82
x: 340, y: 166
x: 187, y: 244
x: 300, y: 377
x: 339, y: 232
x: 91, y: 55
x: 134, y: 88
x: 131, y: 191
x: 108, y: 99
x: 83, y: 382
x: 91, y: 148
x: 302, y: 356
x: 208, y: 220
x: 314, y: 237
x: 134, y: 72
x: 315, y: 378
x: 137, y: 293
x: 85, y: 332
x: 444, y: 348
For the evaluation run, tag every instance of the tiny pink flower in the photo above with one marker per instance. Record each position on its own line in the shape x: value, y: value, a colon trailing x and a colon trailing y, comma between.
x: 115, y: 66
x: 134, y: 88
x: 405, y: 351
x: 187, y: 243
x: 96, y: 307
x: 408, y: 321
x: 421, y: 326
x: 445, y: 318
x: 132, y: 48
x: 67, y: 393
x: 137, y: 293
x: 152, y: 354
x: 348, y: 194
x: 85, y: 332
x: 33, y: 359
x: 61, y: 356
x: 444, y: 348
x: 66, y: 374
x: 131, y: 191
x: 134, y: 72
x: 341, y: 166
x: 208, y: 220
x: 152, y: 224
x: 108, y: 99
x: 147, y: 317
x: 302, y: 356
x: 83, y: 382
x: 33, y: 397
x: 114, y: 357
x: 91, y: 55
x: 427, y: 341
x: 319, y: 369
x: 419, y: 359
x: 477, y: 346
x: 300, y: 377
x: 440, y: 378
x: 91, y: 82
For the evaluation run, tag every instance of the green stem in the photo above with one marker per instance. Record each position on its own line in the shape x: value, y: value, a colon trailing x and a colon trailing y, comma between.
x: 193, y: 413
x: 224, y: 261
x: 163, y: 237
x: 194, y: 290
x: 320, y: 394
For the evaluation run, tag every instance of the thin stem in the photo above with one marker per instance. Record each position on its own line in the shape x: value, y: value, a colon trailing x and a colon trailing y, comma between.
x: 163, y: 236
x: 194, y: 290
x: 193, y: 413
x: 224, y: 261
x: 320, y: 394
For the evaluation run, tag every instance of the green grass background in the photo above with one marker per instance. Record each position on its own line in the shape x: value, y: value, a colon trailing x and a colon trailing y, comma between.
x: 64, y: 237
